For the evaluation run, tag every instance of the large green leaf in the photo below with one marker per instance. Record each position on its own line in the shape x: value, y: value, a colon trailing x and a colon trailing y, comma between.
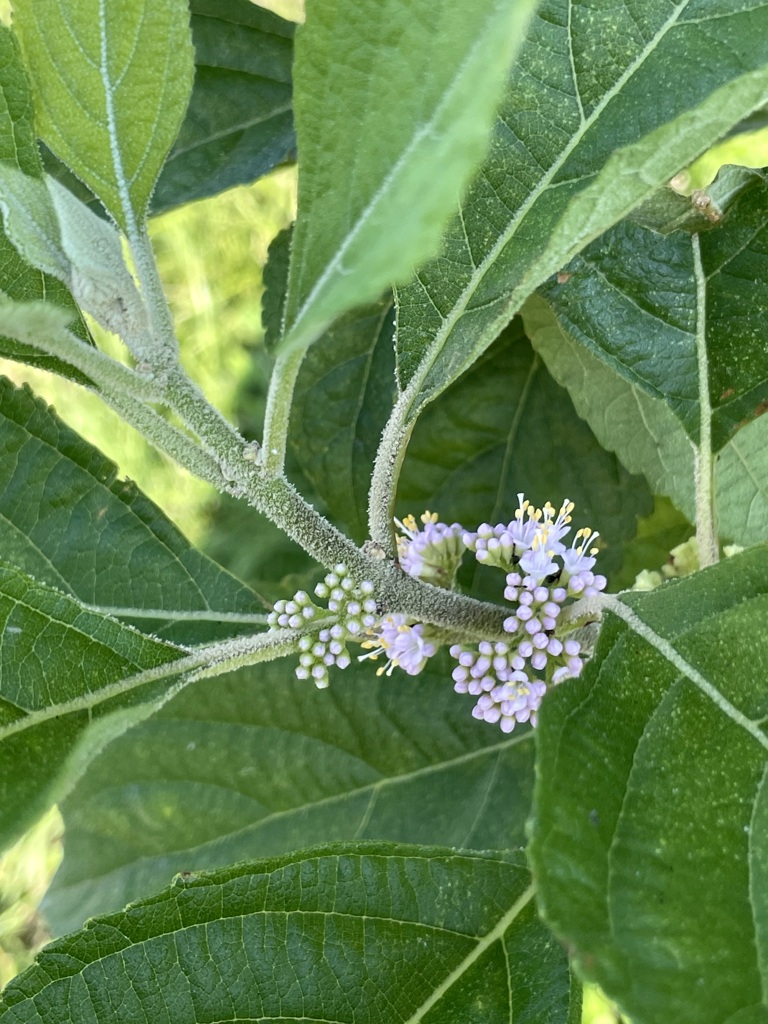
x: 62, y: 667
x: 111, y: 83
x: 649, y: 842
x: 344, y: 393
x: 262, y: 764
x: 589, y: 128
x: 239, y: 124
x: 363, y: 934
x: 19, y: 279
x: 67, y: 520
x: 507, y: 427
x: 650, y: 439
x: 633, y: 298
x: 386, y: 92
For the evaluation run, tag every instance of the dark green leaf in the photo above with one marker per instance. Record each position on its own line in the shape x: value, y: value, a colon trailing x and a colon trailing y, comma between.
x: 67, y: 520
x: 18, y: 279
x: 632, y: 298
x: 263, y: 764
x: 649, y: 841
x: 239, y: 123
x: 61, y: 667
x: 507, y: 427
x: 648, y: 437
x: 362, y: 934
x: 591, y: 126
x: 344, y: 393
x: 275, y: 283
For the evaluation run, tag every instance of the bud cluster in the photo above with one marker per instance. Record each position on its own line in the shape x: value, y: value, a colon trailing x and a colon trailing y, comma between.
x: 351, y: 613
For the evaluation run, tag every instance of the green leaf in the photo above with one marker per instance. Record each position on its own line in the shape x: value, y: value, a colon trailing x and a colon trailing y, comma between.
x: 507, y: 427
x: 58, y: 234
x: 344, y: 393
x: 18, y: 151
x: 362, y: 934
x: 111, y: 83
x: 67, y: 520
x: 239, y: 124
x: 588, y: 130
x: 264, y: 764
x: 371, y: 206
x: 648, y: 437
x: 275, y: 283
x: 633, y: 300
x: 61, y: 667
x: 647, y: 839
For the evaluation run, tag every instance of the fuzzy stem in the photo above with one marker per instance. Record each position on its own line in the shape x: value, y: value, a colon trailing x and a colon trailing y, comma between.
x: 165, y: 351
x: 225, y: 444
x: 706, y: 531
x: 106, y: 373
x: 277, y: 499
x: 167, y: 438
x: 277, y: 419
x: 386, y: 472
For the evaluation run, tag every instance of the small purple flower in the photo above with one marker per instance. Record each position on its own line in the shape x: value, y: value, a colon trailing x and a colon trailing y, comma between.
x: 432, y: 553
x: 405, y: 646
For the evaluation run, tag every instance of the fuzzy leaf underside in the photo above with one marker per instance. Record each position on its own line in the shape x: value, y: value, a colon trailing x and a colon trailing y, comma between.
x: 431, y: 73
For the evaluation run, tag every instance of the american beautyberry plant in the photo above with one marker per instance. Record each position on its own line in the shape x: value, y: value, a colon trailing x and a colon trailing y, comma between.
x: 437, y: 760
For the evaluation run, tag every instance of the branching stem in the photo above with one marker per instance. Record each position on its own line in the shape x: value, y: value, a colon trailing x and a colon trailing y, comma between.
x: 706, y: 529
x: 277, y: 419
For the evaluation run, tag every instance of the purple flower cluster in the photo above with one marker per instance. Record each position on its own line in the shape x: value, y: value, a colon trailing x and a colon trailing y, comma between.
x: 542, y: 574
x: 508, y: 677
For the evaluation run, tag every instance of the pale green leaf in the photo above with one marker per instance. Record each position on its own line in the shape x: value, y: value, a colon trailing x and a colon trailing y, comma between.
x: 58, y: 234
x: 386, y: 92
x: 262, y: 764
x: 111, y: 84
x: 648, y: 841
x: 590, y: 127
x: 359, y: 934
x: 18, y: 152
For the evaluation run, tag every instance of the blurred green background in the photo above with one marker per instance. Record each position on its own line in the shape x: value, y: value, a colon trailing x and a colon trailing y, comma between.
x: 211, y: 256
